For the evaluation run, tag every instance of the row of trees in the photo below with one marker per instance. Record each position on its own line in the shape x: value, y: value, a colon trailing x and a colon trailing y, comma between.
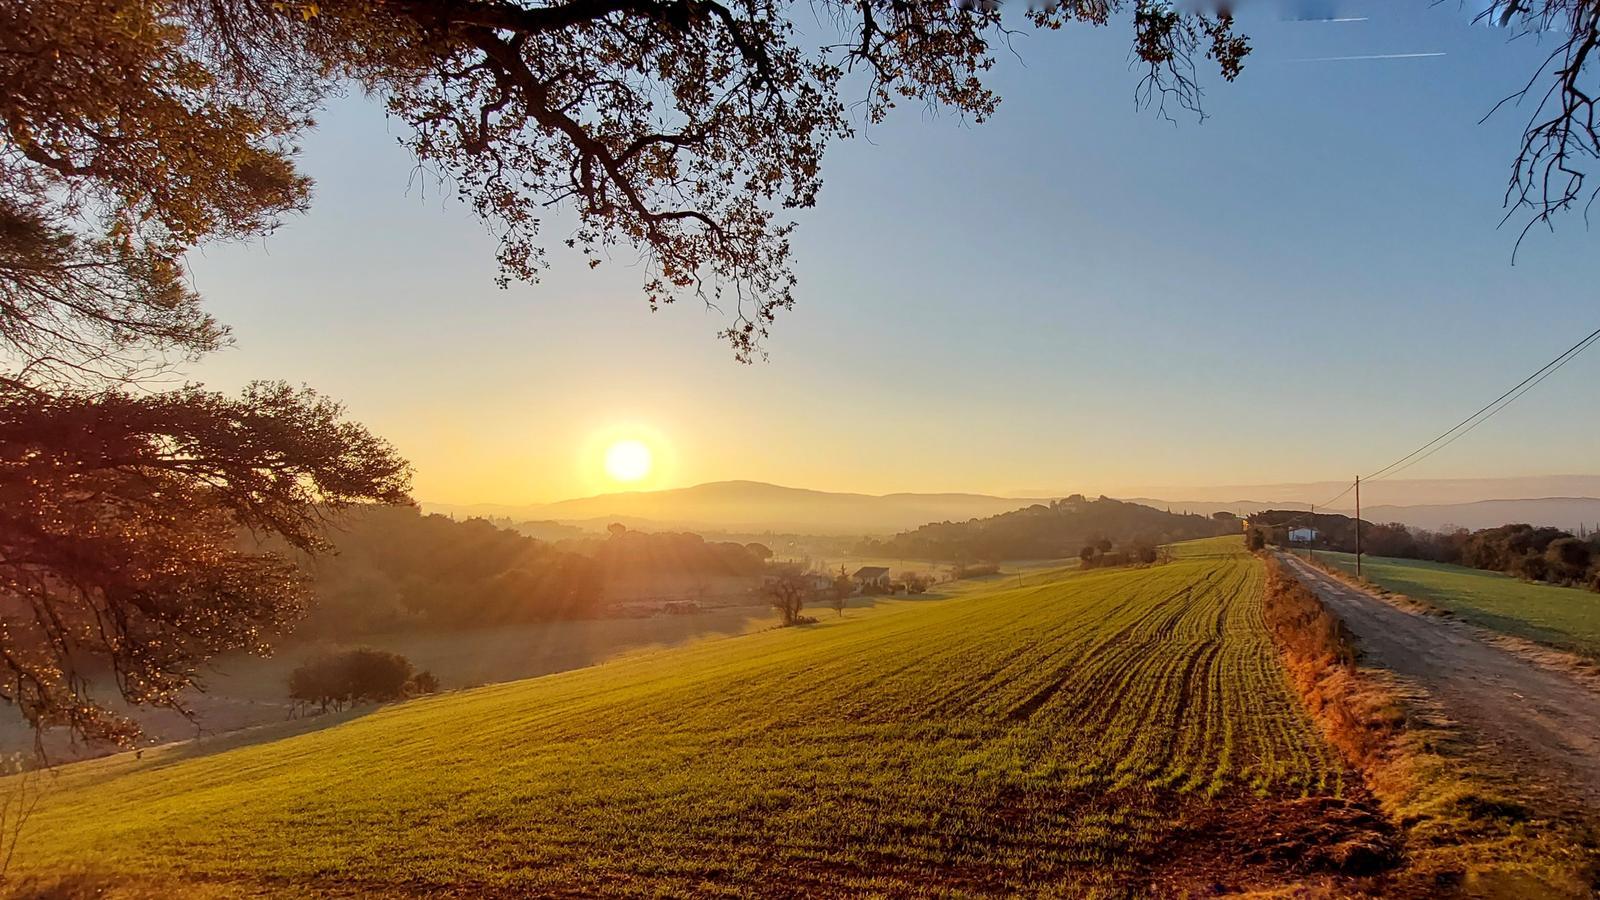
x: 1536, y: 553
x: 1103, y: 553
x: 627, y: 552
x: 395, y: 569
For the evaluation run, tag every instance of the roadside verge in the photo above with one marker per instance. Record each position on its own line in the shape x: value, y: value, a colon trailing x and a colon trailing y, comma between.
x: 1467, y: 829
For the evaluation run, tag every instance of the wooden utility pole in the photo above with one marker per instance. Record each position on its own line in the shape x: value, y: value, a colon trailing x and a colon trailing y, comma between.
x: 1312, y: 544
x: 1358, y: 526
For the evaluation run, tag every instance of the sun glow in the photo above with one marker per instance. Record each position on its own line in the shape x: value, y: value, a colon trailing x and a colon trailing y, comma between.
x: 628, y: 460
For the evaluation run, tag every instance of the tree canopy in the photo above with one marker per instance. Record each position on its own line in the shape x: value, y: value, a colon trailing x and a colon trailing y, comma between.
x: 684, y: 129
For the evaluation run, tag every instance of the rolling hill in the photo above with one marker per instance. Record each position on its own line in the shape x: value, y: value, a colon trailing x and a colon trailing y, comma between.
x: 1052, y: 530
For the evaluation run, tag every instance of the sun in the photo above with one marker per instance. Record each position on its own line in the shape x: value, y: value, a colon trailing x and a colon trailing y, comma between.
x: 628, y: 460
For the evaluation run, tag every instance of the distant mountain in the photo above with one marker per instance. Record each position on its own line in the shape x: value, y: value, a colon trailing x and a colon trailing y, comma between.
x: 754, y: 506
x: 1562, y: 512
x: 1393, y: 492
x: 1566, y: 513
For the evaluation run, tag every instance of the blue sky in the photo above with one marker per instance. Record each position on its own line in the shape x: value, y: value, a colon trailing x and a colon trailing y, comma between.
x: 1077, y: 295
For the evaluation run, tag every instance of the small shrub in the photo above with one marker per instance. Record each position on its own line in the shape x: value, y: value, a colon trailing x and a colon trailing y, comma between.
x: 423, y: 682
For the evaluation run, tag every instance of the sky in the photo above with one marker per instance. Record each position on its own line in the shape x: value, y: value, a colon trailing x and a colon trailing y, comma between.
x: 1075, y: 296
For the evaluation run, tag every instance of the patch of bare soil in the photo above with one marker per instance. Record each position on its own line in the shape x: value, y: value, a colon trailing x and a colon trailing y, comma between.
x: 1339, y: 846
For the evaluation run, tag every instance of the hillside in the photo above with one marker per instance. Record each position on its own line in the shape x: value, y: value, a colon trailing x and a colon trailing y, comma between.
x: 1567, y: 513
x: 964, y: 745
x: 1049, y: 531
x: 756, y: 506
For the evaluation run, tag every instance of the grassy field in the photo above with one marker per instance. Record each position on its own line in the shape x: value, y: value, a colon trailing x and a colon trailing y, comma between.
x: 1115, y: 731
x: 1562, y: 617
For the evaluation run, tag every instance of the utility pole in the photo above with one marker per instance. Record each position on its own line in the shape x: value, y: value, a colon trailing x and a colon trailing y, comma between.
x: 1312, y: 544
x: 1358, y: 526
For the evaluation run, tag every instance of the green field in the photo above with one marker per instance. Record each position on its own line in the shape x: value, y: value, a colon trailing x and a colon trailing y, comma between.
x: 1089, y: 731
x: 1562, y: 617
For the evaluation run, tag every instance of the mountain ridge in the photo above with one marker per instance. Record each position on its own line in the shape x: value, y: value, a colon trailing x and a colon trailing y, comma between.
x: 758, y: 506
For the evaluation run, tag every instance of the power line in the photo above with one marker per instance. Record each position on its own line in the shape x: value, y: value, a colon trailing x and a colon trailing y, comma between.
x: 1550, y: 370
x: 1463, y: 428
x: 1543, y: 372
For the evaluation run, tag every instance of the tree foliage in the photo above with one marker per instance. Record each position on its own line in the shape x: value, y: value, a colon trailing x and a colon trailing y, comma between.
x: 628, y: 553
x: 131, y: 135
x: 395, y: 569
x: 684, y: 129
x: 787, y: 589
x: 120, y: 518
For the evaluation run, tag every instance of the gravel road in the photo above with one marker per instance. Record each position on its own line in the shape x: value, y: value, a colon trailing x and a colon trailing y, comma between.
x: 1540, y: 724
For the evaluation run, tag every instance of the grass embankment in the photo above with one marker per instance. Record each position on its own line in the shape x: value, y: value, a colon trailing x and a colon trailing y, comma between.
x: 1567, y: 618
x: 1467, y: 831
x: 1116, y: 731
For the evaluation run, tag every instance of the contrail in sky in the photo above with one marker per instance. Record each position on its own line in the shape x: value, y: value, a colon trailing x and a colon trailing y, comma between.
x: 1371, y: 56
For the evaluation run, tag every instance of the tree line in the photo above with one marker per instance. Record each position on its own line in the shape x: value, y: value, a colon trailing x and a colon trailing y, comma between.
x: 625, y: 551
x: 1535, y: 553
x: 393, y: 568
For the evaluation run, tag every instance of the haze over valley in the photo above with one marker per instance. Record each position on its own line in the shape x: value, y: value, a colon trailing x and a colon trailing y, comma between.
x: 752, y: 507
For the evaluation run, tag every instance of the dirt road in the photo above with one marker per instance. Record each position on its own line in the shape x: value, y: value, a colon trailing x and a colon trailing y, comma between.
x: 1540, y: 724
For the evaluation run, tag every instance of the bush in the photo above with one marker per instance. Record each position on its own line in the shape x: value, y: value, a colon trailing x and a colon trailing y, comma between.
x: 1533, y: 568
x: 423, y: 682
x: 361, y: 675
x: 1569, y: 558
